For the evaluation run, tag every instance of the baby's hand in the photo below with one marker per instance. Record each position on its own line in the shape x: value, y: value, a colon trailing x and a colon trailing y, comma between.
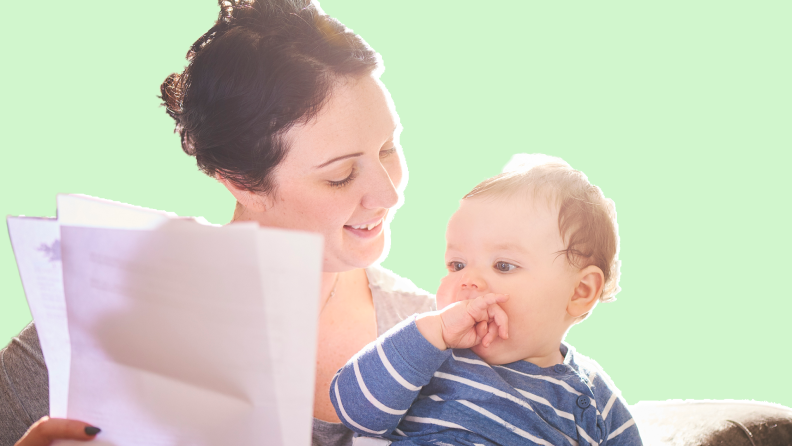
x: 475, y: 321
x: 466, y: 323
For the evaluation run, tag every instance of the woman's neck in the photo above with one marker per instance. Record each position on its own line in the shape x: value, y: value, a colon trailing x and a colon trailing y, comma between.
x: 241, y: 213
x: 347, y: 323
x: 331, y: 282
x: 328, y: 288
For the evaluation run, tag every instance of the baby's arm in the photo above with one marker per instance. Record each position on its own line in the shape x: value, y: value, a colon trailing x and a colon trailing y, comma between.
x: 373, y: 391
x: 620, y: 425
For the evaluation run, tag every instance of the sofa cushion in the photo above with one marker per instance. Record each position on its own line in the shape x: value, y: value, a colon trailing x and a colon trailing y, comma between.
x: 711, y: 422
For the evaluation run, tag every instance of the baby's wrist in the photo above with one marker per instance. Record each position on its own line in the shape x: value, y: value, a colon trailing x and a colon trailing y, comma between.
x: 431, y: 327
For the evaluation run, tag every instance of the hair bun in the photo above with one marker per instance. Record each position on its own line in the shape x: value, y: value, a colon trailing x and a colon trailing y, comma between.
x: 263, y: 66
x: 227, y: 8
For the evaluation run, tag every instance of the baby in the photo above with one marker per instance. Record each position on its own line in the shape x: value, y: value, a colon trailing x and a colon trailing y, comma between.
x: 529, y: 253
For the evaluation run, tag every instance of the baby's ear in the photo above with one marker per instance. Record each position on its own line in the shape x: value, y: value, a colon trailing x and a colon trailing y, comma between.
x: 254, y: 201
x: 590, y: 281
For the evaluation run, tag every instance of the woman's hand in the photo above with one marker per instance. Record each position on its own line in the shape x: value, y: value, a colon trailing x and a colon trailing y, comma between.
x: 466, y: 323
x: 46, y: 430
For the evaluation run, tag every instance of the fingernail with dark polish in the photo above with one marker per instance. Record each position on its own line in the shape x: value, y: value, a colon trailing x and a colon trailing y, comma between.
x: 91, y: 430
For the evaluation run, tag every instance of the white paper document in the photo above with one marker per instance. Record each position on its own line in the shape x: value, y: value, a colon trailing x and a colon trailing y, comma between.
x: 180, y: 333
x: 36, y: 244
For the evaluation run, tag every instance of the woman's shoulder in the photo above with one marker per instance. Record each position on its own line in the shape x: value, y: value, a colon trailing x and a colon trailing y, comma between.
x: 386, y: 280
x: 395, y: 297
x: 24, y: 387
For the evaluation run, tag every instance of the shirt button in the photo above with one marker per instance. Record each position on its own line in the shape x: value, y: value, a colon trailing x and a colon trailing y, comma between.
x: 583, y: 401
x: 559, y: 368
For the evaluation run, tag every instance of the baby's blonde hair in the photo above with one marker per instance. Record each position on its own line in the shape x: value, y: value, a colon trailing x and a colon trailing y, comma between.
x: 586, y: 219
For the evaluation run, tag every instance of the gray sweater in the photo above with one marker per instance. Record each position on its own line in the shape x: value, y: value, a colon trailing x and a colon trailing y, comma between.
x: 24, y: 388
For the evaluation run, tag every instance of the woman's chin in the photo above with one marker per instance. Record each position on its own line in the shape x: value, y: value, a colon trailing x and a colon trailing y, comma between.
x: 357, y: 255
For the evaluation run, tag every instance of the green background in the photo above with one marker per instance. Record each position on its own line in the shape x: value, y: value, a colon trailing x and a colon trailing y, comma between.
x: 680, y: 111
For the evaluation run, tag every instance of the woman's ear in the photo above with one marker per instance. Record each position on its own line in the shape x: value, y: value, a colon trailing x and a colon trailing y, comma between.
x: 586, y: 294
x: 253, y: 201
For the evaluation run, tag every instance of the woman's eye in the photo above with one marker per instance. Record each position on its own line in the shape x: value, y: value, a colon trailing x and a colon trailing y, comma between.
x: 387, y: 152
x: 504, y: 267
x: 345, y: 181
x: 455, y: 266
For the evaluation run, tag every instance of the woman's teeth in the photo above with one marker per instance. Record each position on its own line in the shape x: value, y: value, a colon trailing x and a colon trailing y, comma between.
x: 366, y: 227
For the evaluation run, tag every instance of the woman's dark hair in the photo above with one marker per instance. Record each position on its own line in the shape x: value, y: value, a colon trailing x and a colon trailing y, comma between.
x: 264, y: 66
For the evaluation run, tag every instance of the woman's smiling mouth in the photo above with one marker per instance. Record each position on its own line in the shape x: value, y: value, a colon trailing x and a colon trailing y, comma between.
x: 366, y: 229
x: 368, y: 226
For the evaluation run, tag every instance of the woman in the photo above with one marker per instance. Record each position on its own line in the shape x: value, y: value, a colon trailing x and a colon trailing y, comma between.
x: 283, y: 106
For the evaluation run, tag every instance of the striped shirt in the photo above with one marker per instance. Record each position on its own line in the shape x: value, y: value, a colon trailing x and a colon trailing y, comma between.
x: 402, y: 388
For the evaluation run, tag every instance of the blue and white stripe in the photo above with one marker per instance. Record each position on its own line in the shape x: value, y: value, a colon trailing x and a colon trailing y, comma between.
x: 402, y: 386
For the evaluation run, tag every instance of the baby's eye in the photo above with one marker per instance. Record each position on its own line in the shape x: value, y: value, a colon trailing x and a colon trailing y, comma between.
x: 455, y: 266
x: 504, y: 267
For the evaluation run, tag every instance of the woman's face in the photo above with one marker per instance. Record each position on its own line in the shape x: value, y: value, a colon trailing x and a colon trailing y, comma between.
x: 342, y: 174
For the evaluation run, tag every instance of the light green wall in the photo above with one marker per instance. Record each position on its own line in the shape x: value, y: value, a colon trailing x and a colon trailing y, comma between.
x: 680, y: 111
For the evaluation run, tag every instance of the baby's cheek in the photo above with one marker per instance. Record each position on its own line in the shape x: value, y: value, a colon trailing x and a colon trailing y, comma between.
x: 448, y: 292
x: 444, y: 298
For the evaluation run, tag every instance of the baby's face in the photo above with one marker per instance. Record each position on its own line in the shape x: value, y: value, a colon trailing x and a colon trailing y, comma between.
x: 511, y: 246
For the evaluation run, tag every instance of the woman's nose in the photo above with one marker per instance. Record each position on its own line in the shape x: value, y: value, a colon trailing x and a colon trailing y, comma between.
x: 381, y: 192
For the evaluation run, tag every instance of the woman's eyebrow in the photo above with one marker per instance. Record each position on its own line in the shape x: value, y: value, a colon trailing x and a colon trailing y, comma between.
x: 351, y: 155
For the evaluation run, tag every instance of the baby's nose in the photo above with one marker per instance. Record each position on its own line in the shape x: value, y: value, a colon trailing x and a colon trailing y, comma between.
x: 472, y: 283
